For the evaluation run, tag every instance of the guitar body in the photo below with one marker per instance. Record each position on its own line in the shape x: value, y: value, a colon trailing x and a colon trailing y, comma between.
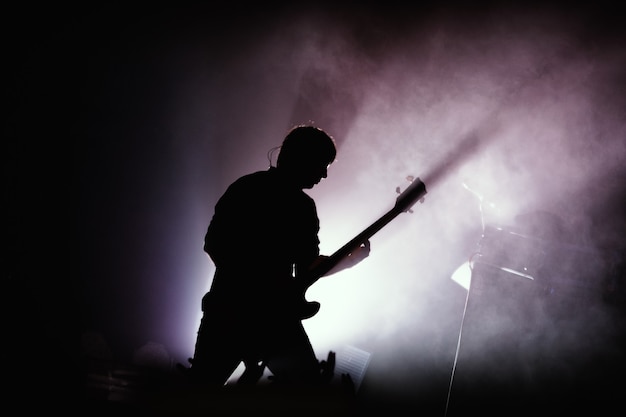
x: 415, y: 192
x: 308, y: 308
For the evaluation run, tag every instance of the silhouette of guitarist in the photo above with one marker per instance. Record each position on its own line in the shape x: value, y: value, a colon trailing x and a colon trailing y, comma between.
x: 263, y: 240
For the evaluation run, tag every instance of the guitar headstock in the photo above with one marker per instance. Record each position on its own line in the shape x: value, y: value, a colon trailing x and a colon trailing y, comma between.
x: 413, y: 193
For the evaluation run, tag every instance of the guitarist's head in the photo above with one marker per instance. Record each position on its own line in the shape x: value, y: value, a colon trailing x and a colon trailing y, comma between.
x: 305, y: 155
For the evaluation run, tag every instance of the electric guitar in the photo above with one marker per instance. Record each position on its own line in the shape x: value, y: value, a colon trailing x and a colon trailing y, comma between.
x: 414, y: 192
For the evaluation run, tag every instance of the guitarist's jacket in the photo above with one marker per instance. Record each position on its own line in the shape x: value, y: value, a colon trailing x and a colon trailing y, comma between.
x: 262, y: 226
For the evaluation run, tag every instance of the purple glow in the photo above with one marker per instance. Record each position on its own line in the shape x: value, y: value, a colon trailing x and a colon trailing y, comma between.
x: 502, y: 113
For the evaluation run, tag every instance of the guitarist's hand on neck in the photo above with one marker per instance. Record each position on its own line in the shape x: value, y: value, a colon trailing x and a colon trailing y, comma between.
x: 353, y: 258
x: 327, y: 265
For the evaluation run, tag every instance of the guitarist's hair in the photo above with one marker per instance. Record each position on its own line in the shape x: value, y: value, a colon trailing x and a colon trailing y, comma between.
x: 306, y: 143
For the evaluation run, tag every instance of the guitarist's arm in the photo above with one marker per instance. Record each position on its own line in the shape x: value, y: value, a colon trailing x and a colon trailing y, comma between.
x: 357, y: 255
x: 328, y: 265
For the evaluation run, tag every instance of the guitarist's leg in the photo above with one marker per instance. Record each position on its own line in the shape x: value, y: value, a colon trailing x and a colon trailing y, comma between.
x: 214, y: 360
x: 212, y: 365
x: 252, y: 374
x: 293, y: 359
x: 216, y: 354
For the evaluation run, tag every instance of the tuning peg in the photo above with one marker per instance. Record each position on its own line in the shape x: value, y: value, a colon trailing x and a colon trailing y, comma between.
x: 409, y: 178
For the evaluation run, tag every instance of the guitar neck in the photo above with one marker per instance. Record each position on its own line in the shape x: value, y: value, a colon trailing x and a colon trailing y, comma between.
x: 359, y: 239
x: 413, y: 193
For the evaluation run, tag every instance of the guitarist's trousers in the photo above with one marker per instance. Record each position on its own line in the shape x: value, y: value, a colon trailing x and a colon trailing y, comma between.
x: 228, y: 336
